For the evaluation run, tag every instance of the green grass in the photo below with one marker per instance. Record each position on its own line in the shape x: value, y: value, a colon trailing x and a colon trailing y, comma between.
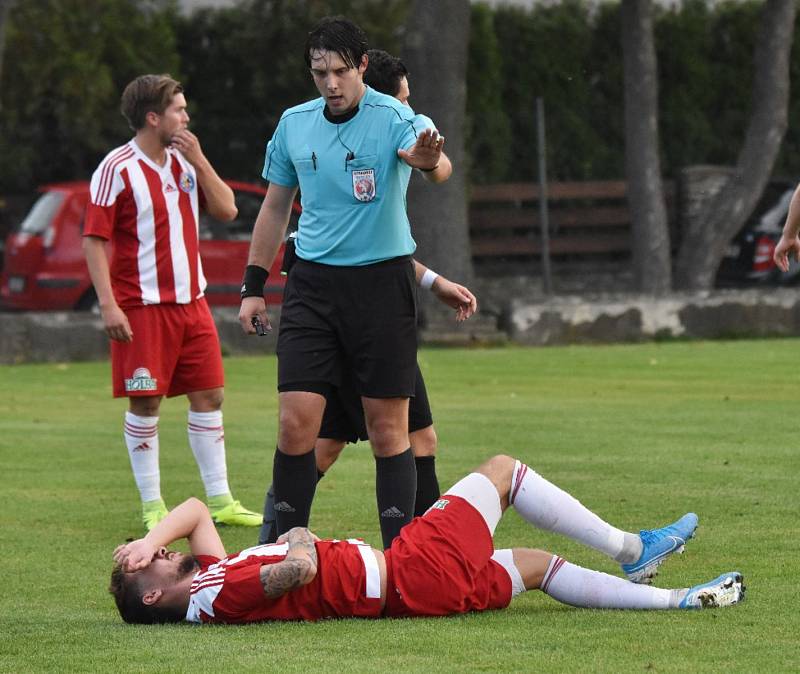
x: 640, y: 434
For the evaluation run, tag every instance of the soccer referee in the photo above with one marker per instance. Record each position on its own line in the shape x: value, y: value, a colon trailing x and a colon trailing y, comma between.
x: 350, y: 299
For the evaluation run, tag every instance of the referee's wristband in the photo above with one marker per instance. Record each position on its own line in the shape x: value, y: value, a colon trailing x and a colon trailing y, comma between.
x: 430, y: 170
x: 254, y: 279
x: 428, y: 278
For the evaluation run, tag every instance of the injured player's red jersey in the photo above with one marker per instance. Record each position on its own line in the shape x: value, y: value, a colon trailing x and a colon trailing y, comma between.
x: 229, y: 590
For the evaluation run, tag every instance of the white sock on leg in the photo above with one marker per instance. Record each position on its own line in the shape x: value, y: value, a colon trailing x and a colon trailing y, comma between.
x: 141, y: 439
x: 546, y: 506
x: 207, y: 440
x: 576, y: 586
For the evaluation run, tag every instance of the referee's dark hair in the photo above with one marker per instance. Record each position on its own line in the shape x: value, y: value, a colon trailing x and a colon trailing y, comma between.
x: 337, y: 34
x: 384, y: 72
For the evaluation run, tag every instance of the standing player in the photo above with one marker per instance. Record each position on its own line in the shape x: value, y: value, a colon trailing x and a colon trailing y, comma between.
x: 343, y: 420
x: 145, y: 197
x: 350, y: 301
x: 441, y: 564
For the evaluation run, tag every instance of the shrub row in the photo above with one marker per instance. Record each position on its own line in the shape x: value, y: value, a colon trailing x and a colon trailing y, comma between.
x: 66, y: 63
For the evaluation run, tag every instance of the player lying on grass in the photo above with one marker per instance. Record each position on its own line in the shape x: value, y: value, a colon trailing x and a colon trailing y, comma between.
x: 442, y: 563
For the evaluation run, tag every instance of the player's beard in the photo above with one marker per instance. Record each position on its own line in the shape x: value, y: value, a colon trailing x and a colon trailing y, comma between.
x: 165, y: 139
x: 188, y: 566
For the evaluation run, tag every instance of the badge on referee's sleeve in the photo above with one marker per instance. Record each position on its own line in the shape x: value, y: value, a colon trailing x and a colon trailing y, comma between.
x: 364, y: 184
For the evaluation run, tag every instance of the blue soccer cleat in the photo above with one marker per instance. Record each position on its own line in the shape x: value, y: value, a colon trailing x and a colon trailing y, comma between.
x: 658, y: 544
x: 726, y: 590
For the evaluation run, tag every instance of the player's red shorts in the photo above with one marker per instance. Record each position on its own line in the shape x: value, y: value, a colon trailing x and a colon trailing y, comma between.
x: 175, y: 350
x: 441, y: 564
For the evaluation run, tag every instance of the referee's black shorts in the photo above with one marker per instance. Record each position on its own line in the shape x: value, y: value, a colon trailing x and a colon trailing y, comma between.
x: 362, y: 320
x: 344, y: 414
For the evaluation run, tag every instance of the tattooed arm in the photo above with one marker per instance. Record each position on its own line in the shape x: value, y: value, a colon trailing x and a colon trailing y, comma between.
x: 299, y: 567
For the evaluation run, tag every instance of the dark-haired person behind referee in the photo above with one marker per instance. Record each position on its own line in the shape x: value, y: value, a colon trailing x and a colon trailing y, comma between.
x: 350, y: 300
x: 343, y: 420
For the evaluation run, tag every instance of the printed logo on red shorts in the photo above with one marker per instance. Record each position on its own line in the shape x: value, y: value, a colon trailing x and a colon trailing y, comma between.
x: 141, y: 381
x: 441, y: 504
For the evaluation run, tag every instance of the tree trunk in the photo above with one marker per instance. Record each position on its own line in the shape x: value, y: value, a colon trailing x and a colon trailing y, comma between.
x: 5, y: 8
x: 649, y: 230
x: 435, y: 53
x: 703, y: 245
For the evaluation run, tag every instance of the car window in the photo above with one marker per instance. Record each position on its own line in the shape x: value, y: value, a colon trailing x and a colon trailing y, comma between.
x: 40, y: 216
x: 239, y: 229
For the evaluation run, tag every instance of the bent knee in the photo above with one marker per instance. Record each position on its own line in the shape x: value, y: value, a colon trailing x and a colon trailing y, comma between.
x: 295, y: 422
x: 499, y: 465
x: 206, y: 401
x: 144, y: 406
x: 388, y: 436
x: 327, y: 452
x: 424, y: 441
x: 298, y: 431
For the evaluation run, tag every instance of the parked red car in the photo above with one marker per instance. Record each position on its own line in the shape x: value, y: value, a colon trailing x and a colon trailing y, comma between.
x: 45, y: 270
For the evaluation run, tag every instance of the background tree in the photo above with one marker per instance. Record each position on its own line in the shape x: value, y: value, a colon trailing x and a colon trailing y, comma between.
x: 61, y: 89
x: 649, y: 227
x: 488, y: 134
x: 5, y: 8
x: 437, y: 35
x: 549, y: 51
x: 704, y: 243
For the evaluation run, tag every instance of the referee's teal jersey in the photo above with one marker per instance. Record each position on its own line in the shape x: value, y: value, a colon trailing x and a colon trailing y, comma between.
x: 352, y: 183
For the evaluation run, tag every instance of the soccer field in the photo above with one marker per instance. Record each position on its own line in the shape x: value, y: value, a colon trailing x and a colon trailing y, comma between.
x: 640, y: 434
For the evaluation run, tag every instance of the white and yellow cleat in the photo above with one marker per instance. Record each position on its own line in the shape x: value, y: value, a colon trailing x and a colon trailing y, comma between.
x: 726, y: 590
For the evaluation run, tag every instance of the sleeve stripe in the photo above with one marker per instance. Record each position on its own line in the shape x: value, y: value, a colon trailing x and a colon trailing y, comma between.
x: 107, y: 177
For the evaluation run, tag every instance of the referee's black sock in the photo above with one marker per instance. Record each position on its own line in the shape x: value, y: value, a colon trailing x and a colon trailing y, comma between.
x: 269, y: 529
x: 396, y: 489
x: 294, y: 480
x: 427, y: 484
x: 269, y: 532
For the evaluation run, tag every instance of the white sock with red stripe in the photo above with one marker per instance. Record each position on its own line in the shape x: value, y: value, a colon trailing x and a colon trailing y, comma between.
x: 141, y: 439
x: 576, y: 586
x: 207, y: 440
x: 546, y: 506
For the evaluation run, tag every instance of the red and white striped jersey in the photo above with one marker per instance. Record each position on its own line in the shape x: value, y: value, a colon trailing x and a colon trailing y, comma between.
x: 347, y: 584
x: 150, y: 214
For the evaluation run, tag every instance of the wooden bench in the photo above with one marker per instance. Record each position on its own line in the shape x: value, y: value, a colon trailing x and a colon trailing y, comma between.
x: 586, y: 219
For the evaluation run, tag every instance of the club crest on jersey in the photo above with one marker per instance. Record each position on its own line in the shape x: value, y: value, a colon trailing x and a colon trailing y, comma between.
x: 140, y: 381
x: 364, y: 184
x: 186, y: 182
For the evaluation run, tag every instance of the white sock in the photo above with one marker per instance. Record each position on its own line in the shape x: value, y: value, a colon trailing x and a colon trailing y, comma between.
x: 546, y: 506
x: 576, y: 586
x: 141, y: 439
x: 207, y: 440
